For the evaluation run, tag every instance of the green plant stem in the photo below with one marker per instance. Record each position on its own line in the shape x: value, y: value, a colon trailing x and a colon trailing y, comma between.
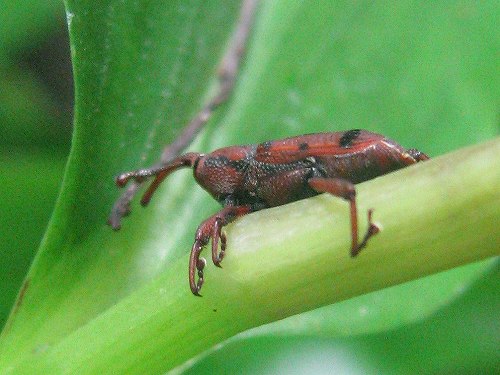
x: 434, y: 216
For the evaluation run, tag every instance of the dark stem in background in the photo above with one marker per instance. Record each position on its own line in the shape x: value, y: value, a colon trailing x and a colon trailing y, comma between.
x: 226, y: 75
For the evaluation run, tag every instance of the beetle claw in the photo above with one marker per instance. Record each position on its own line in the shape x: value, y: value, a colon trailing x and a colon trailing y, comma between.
x: 372, y: 230
x: 219, y: 258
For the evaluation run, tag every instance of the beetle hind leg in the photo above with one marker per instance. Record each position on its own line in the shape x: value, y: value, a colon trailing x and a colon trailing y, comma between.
x: 346, y: 190
x: 372, y: 230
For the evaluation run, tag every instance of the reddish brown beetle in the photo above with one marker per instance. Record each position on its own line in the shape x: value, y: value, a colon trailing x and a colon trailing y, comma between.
x: 249, y: 178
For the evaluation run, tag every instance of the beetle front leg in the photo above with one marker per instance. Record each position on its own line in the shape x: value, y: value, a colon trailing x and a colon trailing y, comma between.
x: 159, y: 173
x: 211, y: 229
x: 345, y: 189
x: 196, y: 264
x: 216, y: 255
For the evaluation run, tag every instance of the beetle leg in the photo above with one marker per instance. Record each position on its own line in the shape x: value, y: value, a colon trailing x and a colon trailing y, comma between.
x: 218, y: 256
x: 196, y: 264
x: 346, y: 190
x: 211, y: 228
x: 160, y: 173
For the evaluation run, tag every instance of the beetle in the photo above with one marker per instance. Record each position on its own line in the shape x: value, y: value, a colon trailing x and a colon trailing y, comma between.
x: 250, y: 178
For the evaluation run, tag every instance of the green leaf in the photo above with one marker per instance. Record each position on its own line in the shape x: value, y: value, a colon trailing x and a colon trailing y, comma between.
x: 95, y: 299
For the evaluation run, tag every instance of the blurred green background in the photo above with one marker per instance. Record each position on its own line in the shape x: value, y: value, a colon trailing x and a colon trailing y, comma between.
x: 36, y: 115
x: 448, y: 99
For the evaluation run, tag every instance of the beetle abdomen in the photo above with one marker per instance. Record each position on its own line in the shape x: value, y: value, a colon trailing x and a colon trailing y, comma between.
x: 367, y: 160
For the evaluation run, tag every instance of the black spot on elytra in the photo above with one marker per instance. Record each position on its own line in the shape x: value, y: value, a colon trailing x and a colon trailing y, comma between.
x: 348, y: 137
x: 303, y: 146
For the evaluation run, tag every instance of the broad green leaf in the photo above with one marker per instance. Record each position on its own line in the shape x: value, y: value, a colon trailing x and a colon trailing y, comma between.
x: 67, y: 285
